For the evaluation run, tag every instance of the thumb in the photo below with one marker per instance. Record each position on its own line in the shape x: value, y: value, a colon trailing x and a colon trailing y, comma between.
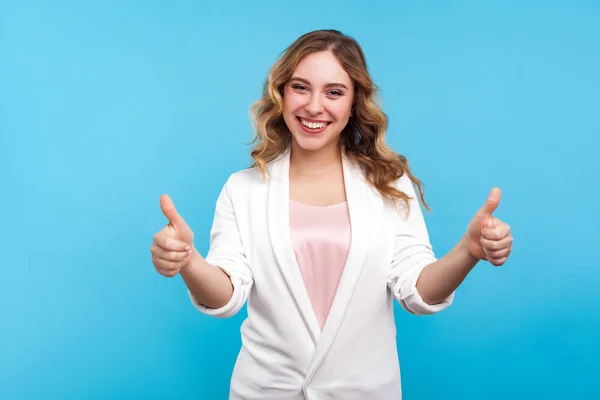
x: 491, y: 203
x: 169, y: 210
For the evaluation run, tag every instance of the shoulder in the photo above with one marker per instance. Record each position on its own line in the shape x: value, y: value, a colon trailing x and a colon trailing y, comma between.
x: 239, y: 183
x: 403, y: 184
x: 410, y: 207
x: 244, y: 181
x: 244, y: 177
x: 253, y: 176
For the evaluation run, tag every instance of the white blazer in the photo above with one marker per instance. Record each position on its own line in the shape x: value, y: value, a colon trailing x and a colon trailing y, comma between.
x: 284, y: 354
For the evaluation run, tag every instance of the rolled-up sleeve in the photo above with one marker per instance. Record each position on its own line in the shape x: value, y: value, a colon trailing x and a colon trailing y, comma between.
x: 227, y: 253
x: 412, y: 253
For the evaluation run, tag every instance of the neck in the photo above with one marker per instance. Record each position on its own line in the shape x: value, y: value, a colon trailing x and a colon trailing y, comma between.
x: 305, y: 162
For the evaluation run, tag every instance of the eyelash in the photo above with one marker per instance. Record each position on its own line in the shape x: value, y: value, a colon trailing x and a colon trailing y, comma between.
x: 335, y: 93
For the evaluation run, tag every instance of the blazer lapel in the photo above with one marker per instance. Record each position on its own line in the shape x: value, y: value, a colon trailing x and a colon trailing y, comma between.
x: 357, y: 195
x: 279, y: 231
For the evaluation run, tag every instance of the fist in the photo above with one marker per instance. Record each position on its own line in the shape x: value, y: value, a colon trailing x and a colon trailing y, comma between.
x: 172, y: 247
x: 489, y: 238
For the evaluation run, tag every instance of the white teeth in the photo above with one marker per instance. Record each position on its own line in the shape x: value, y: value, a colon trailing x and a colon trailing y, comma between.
x: 313, y: 125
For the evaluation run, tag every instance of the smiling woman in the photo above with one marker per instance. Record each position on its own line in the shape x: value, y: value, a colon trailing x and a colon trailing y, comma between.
x: 320, y: 96
x: 315, y: 108
x: 320, y: 236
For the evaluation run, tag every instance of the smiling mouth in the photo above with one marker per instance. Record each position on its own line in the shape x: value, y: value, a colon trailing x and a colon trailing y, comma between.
x: 313, y: 125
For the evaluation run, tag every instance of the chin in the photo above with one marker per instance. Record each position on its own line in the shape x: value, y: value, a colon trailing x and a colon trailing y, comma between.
x: 310, y: 144
x: 314, y: 143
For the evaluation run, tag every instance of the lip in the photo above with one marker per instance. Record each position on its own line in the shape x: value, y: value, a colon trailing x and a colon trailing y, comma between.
x: 313, y: 120
x: 312, y: 131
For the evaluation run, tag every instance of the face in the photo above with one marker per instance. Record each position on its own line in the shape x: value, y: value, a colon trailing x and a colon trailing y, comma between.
x: 317, y: 102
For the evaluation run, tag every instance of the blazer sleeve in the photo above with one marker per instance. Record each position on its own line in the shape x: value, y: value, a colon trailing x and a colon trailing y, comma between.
x: 227, y: 252
x: 412, y: 253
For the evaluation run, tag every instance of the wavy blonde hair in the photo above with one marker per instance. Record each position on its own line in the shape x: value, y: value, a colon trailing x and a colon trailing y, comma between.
x: 363, y: 138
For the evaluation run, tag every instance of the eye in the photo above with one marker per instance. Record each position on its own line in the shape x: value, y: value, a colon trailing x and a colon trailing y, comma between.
x: 299, y: 87
x: 335, y: 93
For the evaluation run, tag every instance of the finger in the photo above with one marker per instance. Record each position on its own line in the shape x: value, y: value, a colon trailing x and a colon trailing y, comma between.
x: 498, y: 262
x: 498, y: 254
x: 169, y: 243
x: 168, y: 274
x: 494, y: 245
x: 165, y: 265
x: 169, y: 210
x: 491, y: 203
x: 498, y: 232
x: 168, y: 255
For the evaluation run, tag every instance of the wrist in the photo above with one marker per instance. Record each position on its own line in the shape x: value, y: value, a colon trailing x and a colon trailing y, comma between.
x: 466, y: 251
x: 193, y: 259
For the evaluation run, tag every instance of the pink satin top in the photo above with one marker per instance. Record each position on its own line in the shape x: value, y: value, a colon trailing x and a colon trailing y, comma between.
x: 321, y: 239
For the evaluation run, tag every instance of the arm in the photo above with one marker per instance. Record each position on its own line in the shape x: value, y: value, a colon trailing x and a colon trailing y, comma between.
x: 412, y: 254
x: 424, y: 285
x: 219, y: 284
x: 208, y: 285
x: 487, y: 238
x: 441, y: 278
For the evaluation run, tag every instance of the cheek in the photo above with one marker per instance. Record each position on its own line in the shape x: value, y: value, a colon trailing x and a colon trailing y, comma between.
x: 342, y: 111
x: 291, y: 101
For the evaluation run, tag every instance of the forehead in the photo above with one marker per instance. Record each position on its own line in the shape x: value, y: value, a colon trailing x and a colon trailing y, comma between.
x: 322, y: 68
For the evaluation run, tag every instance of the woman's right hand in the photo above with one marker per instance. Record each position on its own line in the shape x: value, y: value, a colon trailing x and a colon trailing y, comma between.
x: 173, y: 245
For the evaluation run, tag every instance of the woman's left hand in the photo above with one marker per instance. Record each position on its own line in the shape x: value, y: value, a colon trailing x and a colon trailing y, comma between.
x: 487, y: 237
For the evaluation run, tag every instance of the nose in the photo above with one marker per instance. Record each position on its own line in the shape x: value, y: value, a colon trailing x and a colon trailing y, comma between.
x: 314, y: 105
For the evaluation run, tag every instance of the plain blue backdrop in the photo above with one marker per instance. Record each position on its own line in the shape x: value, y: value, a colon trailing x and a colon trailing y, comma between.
x: 105, y: 105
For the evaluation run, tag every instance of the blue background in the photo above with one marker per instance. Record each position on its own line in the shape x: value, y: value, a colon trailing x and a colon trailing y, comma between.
x: 105, y: 105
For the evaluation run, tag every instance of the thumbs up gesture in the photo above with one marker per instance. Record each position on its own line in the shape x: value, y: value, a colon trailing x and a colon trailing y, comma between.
x: 172, y: 247
x: 489, y: 238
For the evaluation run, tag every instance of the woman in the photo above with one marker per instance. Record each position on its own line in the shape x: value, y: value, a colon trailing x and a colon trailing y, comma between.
x: 320, y: 236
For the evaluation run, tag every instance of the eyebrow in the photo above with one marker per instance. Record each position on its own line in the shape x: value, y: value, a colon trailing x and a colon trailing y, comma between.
x: 329, y: 85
